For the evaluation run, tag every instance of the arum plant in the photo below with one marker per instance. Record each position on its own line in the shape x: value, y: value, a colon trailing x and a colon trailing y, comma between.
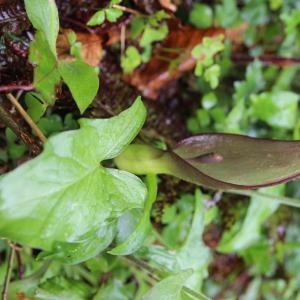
x: 220, y: 161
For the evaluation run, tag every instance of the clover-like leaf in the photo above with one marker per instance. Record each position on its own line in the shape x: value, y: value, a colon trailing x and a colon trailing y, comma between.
x: 64, y: 197
x: 219, y: 160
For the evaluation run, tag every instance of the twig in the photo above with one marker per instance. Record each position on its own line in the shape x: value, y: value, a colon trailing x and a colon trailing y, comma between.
x: 126, y: 9
x: 15, y: 87
x: 280, y: 199
x: 79, y: 24
x: 266, y: 59
x: 8, y: 273
x: 7, y: 119
x: 195, y: 294
x: 123, y: 38
x: 20, y: 265
x: 27, y: 118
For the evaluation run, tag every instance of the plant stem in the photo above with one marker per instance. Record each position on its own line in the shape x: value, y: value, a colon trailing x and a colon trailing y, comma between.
x: 8, y: 273
x: 126, y: 9
x: 195, y: 294
x: 280, y: 199
x: 27, y: 118
x: 14, y: 87
x: 151, y: 272
x: 7, y: 119
x: 266, y: 59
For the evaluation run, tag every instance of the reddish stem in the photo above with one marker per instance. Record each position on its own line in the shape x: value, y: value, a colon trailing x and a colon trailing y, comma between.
x: 266, y: 59
x: 15, y: 87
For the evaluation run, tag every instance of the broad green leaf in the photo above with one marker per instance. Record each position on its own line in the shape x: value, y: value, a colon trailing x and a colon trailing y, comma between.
x: 92, y: 243
x: 140, y: 233
x: 66, y: 195
x: 131, y: 59
x: 36, y: 107
x: 43, y: 15
x: 169, y: 288
x: 201, y: 15
x: 258, y: 212
x: 46, y: 75
x: 219, y: 160
x: 113, y: 14
x: 152, y: 34
x: 61, y: 288
x: 97, y: 19
x: 82, y: 81
x: 278, y: 109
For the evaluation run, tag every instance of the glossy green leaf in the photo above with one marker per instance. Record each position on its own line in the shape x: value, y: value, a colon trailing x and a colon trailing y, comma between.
x: 201, y: 15
x: 97, y: 19
x: 82, y: 81
x: 66, y: 196
x: 140, y: 233
x: 219, y: 160
x: 43, y: 15
x: 46, y: 75
x: 170, y: 288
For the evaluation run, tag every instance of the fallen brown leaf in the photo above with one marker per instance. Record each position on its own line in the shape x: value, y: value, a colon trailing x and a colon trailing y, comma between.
x: 91, y: 47
x: 177, y: 47
x: 172, y: 57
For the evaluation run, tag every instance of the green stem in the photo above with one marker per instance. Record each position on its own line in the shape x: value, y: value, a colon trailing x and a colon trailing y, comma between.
x: 279, y: 199
x: 195, y: 294
x: 150, y: 271
x: 8, y: 273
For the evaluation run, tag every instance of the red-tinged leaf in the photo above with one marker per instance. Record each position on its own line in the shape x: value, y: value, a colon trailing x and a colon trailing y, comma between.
x: 241, y: 160
x: 219, y: 160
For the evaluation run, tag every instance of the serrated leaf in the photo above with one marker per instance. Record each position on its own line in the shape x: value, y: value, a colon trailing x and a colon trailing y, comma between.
x: 169, y: 288
x: 46, y: 75
x: 219, y: 160
x: 43, y: 15
x: 82, y: 81
x: 64, y: 194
